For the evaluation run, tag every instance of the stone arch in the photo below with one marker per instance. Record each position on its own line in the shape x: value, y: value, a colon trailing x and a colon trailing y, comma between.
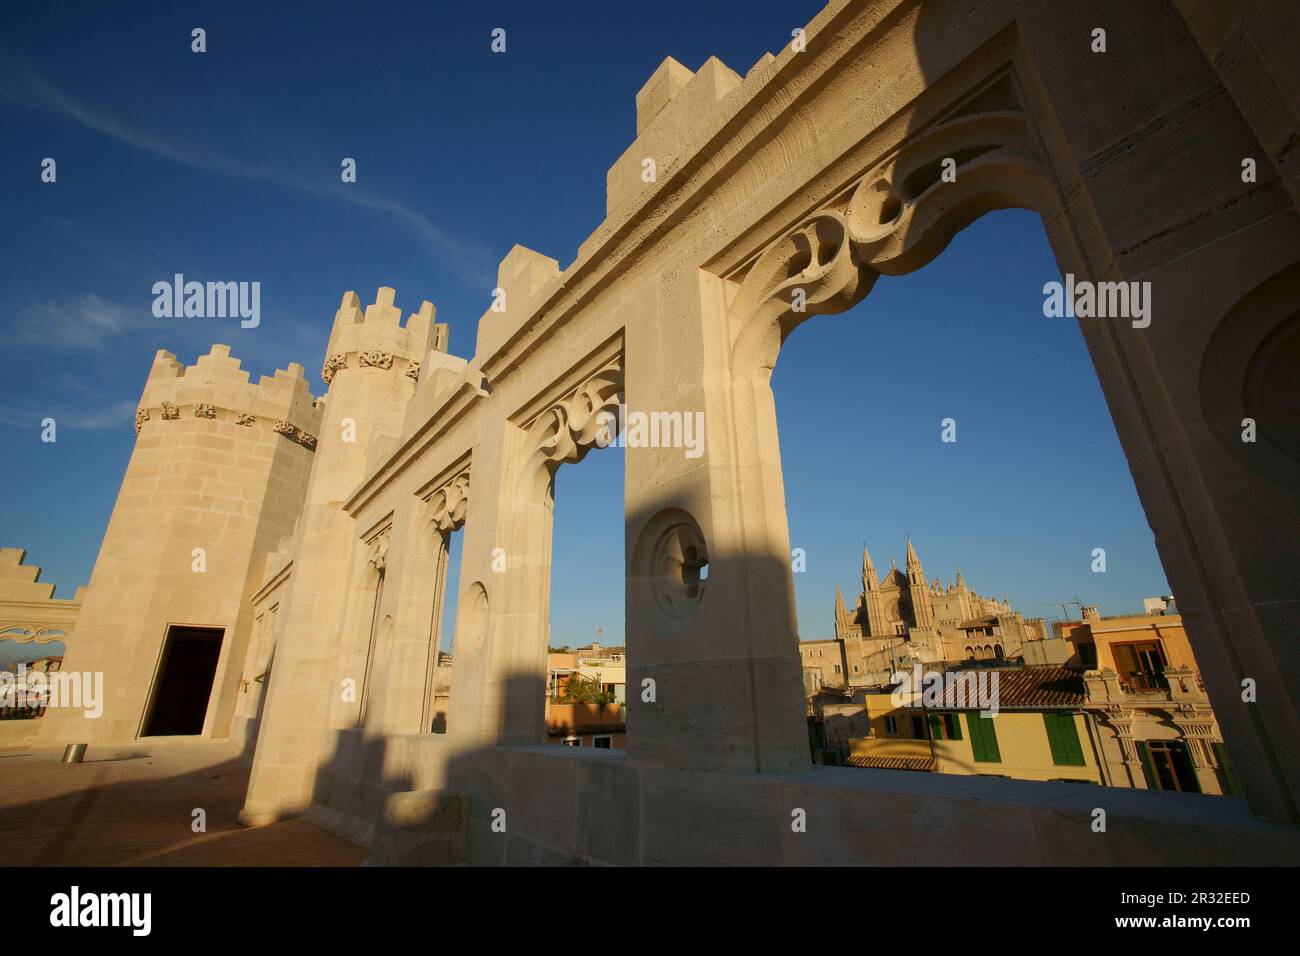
x: 891, y: 219
x: 442, y: 513
x: 1248, y: 373
x: 894, y: 219
x: 508, y: 673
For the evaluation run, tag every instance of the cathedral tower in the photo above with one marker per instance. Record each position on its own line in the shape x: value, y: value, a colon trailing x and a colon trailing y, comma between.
x: 919, y: 590
x: 872, y: 604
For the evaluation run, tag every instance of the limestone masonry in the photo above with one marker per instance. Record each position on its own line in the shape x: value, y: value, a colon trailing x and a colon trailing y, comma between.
x: 275, y: 566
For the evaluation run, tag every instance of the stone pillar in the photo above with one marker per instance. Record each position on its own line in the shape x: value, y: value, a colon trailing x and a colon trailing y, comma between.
x: 1216, y: 253
x: 710, y: 598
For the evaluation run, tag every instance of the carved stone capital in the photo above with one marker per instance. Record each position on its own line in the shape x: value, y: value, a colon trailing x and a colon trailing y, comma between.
x: 894, y: 219
x: 377, y: 555
x: 449, y: 504
x: 170, y: 411
x: 205, y: 410
x: 413, y: 371
x: 571, y: 427
x: 245, y: 418
x: 141, y: 416
x: 333, y: 364
x: 285, y: 428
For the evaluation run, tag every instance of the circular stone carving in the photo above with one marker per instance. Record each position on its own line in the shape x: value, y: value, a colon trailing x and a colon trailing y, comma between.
x: 678, y: 569
x: 472, y: 631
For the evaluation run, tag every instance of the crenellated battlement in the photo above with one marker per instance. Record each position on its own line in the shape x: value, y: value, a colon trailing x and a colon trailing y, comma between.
x: 217, y: 388
x: 376, y: 338
x: 522, y: 278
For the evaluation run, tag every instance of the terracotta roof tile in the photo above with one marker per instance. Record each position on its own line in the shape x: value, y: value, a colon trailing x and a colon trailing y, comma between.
x: 1041, y: 687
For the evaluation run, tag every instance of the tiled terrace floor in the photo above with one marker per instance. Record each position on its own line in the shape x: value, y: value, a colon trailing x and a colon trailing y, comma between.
x: 133, y: 806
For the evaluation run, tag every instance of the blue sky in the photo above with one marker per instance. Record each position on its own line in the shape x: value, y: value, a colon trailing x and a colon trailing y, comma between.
x: 225, y: 165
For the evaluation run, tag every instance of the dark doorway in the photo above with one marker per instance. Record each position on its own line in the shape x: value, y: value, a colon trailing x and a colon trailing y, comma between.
x: 184, y: 683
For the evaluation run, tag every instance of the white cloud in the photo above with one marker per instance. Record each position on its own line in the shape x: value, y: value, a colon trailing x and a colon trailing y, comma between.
x: 24, y: 86
x: 79, y: 322
x: 90, y: 417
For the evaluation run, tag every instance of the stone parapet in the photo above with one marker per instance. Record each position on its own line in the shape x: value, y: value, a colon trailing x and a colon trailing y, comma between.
x: 216, y: 388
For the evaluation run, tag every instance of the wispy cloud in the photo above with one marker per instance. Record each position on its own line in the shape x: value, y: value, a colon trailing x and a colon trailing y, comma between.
x: 22, y: 85
x: 77, y: 322
x: 90, y: 418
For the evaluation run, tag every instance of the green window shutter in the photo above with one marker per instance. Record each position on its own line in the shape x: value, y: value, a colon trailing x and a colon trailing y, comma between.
x: 1225, y: 764
x: 1063, y: 738
x: 936, y: 727
x: 1148, y: 771
x: 952, y: 723
x: 983, y: 738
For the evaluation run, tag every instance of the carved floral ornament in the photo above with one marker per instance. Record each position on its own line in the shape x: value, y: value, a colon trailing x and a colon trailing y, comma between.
x: 891, y: 221
x: 368, y: 359
x: 448, y: 505
x: 294, y: 433
x: 33, y: 633
x: 170, y: 412
x: 375, y: 359
x: 568, y: 429
x: 332, y: 365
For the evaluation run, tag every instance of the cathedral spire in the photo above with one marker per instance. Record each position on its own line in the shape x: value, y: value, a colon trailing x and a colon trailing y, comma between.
x: 869, y: 579
x: 841, y: 615
x: 912, y: 560
x: 961, y: 582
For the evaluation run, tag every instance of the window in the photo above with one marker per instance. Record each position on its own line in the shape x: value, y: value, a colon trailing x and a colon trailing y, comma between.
x: 573, y: 741
x: 837, y: 668
x: 1140, y: 665
x: 1063, y: 738
x: 945, y: 726
x: 1088, y: 655
x: 918, y: 728
x: 891, y: 726
x: 983, y: 739
x: 1167, y: 765
x: 603, y: 742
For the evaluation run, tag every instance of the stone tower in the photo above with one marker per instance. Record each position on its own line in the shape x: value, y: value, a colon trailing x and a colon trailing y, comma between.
x: 217, y: 477
x: 372, y: 369
x: 919, y: 590
x: 841, y: 616
x: 873, y: 606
